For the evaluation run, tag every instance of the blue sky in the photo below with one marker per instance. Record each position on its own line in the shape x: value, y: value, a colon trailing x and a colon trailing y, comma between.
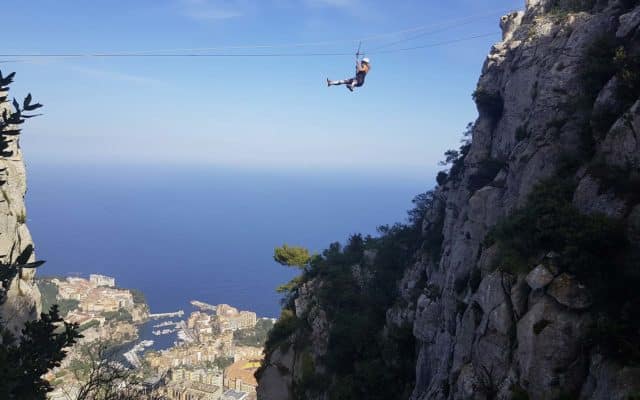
x: 253, y: 113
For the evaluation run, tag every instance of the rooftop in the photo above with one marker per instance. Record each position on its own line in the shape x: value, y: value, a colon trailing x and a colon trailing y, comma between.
x: 243, y: 370
x: 232, y: 394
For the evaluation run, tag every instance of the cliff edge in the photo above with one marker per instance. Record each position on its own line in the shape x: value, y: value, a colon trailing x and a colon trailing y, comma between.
x: 22, y: 297
x: 523, y: 280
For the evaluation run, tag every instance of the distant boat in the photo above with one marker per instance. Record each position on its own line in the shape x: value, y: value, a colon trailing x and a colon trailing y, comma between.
x: 163, y: 332
x: 166, y: 323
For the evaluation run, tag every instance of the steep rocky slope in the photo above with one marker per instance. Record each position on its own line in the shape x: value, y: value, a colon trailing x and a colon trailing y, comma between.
x: 525, y: 282
x: 22, y: 298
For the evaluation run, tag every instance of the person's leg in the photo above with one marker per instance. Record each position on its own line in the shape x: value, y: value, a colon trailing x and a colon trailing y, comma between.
x: 355, y: 83
x: 340, y: 82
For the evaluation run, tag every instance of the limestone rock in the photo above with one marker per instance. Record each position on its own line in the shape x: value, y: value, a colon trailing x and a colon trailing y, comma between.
x: 488, y: 259
x: 549, y: 352
x: 467, y: 382
x: 608, y: 380
x: 607, y: 103
x: 589, y: 198
x: 304, y: 299
x: 621, y: 146
x: 319, y: 331
x: 629, y: 22
x: 528, y: 331
x: 539, y: 277
x: 519, y: 297
x: 428, y: 317
x: 23, y: 297
x: 567, y: 291
x: 275, y: 381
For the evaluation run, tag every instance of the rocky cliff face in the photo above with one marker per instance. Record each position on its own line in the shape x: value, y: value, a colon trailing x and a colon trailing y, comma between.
x: 559, y: 97
x: 22, y: 298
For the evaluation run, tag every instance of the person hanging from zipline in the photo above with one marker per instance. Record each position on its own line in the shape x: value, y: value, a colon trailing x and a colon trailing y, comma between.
x: 362, y: 69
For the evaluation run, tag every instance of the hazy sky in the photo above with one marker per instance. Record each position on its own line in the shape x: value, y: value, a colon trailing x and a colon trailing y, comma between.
x: 247, y: 112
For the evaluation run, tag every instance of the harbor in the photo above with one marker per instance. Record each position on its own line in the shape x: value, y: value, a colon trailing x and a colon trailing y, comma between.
x: 132, y: 355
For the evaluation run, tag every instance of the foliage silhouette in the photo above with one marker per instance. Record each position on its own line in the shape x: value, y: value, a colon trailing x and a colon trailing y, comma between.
x: 11, y: 120
x: 40, y: 346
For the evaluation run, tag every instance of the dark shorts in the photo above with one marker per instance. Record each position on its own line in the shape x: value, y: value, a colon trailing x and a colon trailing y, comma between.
x: 359, y: 79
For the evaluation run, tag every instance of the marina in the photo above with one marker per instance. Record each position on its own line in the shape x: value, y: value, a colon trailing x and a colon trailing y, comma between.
x: 166, y: 323
x: 185, y: 333
x: 178, y: 313
x: 132, y: 355
x: 163, y: 332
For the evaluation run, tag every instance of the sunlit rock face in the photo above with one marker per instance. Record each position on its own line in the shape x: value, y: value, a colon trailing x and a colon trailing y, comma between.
x: 529, y: 333
x: 23, y: 298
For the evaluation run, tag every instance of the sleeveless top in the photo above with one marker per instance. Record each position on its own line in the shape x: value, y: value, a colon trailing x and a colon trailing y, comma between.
x: 360, y: 75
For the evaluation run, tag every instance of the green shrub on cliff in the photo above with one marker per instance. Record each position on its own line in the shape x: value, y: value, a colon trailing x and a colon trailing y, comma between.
x: 593, y: 247
x: 355, y: 290
x: 284, y: 327
x: 588, y: 244
x: 292, y: 256
x: 355, y: 300
x: 455, y: 159
x: 571, y: 5
x: 606, y: 59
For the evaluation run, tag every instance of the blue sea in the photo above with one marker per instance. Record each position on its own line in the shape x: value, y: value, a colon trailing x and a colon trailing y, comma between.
x: 204, y: 233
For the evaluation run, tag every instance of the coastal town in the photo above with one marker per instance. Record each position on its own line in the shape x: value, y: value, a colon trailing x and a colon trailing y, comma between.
x: 216, y: 352
x: 211, y: 362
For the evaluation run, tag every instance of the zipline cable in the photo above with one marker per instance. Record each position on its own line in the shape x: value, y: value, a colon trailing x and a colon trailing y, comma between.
x: 467, y: 21
x: 437, y: 28
x: 266, y: 46
x: 443, y: 26
x: 482, y: 35
x: 33, y: 57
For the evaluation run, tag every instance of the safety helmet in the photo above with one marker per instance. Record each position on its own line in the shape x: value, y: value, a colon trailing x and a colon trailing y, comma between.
x: 366, y: 60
